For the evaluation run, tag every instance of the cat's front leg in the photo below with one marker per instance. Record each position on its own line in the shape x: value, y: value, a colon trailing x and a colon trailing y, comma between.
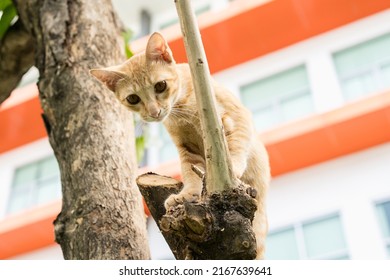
x: 193, y: 185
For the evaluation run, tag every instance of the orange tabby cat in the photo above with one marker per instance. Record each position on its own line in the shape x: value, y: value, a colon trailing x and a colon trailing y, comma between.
x: 158, y: 89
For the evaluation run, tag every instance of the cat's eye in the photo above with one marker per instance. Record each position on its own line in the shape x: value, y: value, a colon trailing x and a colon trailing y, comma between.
x: 133, y: 99
x: 160, y: 86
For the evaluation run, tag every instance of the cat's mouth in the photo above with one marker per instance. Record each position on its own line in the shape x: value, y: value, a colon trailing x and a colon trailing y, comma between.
x: 160, y: 118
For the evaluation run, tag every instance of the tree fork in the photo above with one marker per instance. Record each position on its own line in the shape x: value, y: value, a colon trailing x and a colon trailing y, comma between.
x: 218, y: 227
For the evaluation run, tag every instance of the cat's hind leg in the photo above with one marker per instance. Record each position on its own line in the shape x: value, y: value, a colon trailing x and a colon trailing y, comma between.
x: 260, y: 228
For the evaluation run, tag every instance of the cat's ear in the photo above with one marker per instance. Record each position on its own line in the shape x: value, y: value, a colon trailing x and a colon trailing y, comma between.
x: 108, y: 76
x: 157, y: 49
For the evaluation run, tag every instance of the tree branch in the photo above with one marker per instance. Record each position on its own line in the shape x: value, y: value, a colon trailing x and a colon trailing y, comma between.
x: 219, y: 175
x: 16, y: 57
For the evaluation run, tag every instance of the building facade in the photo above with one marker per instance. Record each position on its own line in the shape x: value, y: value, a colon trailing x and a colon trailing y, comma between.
x: 316, y: 76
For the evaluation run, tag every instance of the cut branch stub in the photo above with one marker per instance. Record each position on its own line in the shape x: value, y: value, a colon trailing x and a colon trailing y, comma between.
x: 155, y: 189
x: 218, y: 227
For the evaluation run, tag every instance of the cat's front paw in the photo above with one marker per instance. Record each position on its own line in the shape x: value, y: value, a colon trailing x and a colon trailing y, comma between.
x: 176, y: 199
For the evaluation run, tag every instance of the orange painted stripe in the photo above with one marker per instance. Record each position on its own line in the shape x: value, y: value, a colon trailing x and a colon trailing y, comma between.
x: 20, y: 95
x: 330, y: 142
x: 28, y: 231
x: 21, y: 124
x: 275, y: 25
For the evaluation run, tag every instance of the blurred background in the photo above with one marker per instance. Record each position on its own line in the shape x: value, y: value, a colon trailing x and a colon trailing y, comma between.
x: 316, y: 76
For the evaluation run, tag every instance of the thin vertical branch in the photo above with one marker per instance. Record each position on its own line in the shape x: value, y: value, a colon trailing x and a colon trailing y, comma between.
x: 219, y: 175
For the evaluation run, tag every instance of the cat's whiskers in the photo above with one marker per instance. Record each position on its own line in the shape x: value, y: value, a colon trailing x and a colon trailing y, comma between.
x: 185, y: 111
x: 179, y: 116
x: 173, y: 119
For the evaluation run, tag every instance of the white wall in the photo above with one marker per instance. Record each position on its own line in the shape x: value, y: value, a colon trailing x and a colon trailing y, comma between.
x: 52, y: 252
x: 159, y: 248
x: 161, y: 11
x: 350, y: 186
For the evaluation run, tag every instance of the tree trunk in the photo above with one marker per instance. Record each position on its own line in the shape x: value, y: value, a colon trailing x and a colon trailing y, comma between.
x: 91, y: 134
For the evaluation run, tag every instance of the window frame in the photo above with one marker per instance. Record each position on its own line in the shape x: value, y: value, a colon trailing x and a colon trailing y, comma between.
x: 385, y: 239
x: 300, y: 238
x: 275, y: 103
x: 32, y: 187
x: 373, y: 68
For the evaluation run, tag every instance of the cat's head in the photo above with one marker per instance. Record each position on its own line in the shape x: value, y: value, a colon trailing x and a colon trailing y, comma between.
x: 147, y: 83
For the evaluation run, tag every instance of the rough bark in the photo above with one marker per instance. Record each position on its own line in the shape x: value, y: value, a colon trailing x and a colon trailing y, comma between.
x: 91, y: 134
x: 217, y: 227
x: 16, y: 57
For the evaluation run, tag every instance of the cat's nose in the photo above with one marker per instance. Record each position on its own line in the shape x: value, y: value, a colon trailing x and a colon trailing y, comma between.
x: 155, y: 113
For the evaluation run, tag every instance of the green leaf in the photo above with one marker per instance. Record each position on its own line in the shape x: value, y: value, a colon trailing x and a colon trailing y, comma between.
x: 4, y: 4
x: 129, y: 53
x: 140, y: 147
x: 126, y: 37
x: 8, y: 15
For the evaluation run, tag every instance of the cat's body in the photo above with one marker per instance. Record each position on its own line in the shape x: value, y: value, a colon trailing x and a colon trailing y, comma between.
x: 157, y: 88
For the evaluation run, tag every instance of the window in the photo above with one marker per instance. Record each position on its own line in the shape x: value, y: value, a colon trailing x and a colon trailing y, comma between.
x: 282, y: 245
x: 320, y: 239
x: 278, y: 98
x: 364, y: 68
x: 167, y: 149
x: 35, y: 183
x: 383, y: 210
x: 146, y: 20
